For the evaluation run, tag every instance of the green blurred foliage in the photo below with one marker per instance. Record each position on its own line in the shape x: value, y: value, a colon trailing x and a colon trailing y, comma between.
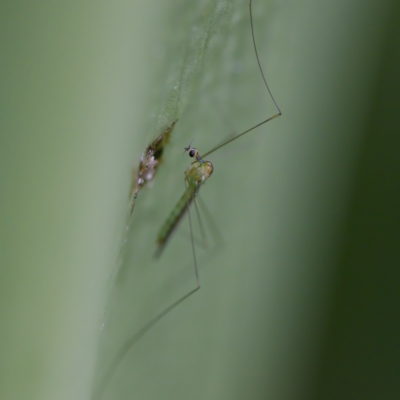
x: 300, y: 300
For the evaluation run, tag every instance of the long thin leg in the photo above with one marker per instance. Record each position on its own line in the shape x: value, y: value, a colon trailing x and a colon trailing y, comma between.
x: 202, y: 230
x: 98, y: 391
x: 213, y: 227
x: 192, y: 240
x: 259, y: 66
x: 268, y: 89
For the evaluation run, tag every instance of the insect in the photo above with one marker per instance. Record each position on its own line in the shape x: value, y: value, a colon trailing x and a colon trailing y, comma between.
x: 200, y: 170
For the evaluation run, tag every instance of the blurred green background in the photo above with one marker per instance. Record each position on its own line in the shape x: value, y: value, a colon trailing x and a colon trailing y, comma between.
x: 299, y: 298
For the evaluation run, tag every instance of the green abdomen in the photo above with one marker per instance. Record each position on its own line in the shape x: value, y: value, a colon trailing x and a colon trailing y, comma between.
x: 175, y: 216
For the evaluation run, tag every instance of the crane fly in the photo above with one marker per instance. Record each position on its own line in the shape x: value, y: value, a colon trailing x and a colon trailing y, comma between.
x: 200, y: 170
x: 196, y: 175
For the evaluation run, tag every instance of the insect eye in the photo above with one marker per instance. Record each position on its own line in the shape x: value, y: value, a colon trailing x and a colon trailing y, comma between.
x: 192, y: 153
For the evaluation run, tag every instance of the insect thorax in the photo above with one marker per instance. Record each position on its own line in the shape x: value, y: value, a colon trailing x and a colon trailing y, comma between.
x: 199, y: 171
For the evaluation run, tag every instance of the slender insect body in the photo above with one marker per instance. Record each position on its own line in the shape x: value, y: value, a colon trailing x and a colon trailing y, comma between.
x: 201, y: 170
x: 195, y: 176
